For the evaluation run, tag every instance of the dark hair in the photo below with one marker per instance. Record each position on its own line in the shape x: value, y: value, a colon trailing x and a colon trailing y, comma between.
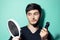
x: 33, y: 6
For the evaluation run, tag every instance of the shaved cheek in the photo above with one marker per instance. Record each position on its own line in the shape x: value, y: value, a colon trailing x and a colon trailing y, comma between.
x: 36, y: 17
x: 29, y: 18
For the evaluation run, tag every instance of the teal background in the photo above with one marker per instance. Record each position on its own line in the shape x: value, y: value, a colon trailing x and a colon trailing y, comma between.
x: 15, y: 9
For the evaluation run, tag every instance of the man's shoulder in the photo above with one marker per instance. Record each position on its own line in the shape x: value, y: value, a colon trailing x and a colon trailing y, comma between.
x: 24, y: 27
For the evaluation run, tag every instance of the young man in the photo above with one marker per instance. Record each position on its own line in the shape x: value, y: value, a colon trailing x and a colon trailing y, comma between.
x: 33, y: 31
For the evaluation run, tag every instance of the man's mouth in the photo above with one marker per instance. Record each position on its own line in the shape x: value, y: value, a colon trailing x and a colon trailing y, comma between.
x: 34, y: 20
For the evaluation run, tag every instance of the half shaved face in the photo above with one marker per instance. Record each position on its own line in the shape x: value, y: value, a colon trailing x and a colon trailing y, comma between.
x: 33, y: 16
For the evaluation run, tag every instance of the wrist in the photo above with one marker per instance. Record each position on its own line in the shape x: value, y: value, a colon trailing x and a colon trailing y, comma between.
x: 44, y: 39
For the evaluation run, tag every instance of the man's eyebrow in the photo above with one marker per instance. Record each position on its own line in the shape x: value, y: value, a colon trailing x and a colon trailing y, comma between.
x: 36, y: 12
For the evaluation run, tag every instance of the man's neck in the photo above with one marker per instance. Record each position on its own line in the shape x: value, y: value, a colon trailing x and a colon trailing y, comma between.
x: 32, y: 28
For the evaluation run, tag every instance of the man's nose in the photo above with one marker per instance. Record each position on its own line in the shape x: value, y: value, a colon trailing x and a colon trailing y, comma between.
x: 32, y: 16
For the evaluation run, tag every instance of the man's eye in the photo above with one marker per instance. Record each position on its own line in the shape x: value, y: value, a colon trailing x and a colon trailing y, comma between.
x: 36, y: 13
x: 29, y: 14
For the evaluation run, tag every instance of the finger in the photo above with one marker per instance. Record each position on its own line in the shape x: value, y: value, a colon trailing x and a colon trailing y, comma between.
x: 44, y: 29
x: 43, y: 32
x: 16, y: 38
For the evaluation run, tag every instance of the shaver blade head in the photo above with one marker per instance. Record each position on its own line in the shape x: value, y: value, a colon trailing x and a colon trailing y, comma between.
x: 47, y: 25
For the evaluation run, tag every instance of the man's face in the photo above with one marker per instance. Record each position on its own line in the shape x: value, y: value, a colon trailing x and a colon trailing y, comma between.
x: 33, y: 16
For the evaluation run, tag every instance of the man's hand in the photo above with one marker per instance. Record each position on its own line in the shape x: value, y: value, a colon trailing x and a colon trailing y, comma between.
x: 44, y: 34
x: 16, y: 38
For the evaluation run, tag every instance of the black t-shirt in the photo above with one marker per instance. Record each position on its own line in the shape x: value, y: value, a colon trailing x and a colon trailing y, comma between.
x: 26, y: 34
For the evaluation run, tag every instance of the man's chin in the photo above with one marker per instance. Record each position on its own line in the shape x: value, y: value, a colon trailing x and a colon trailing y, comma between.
x: 34, y: 24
